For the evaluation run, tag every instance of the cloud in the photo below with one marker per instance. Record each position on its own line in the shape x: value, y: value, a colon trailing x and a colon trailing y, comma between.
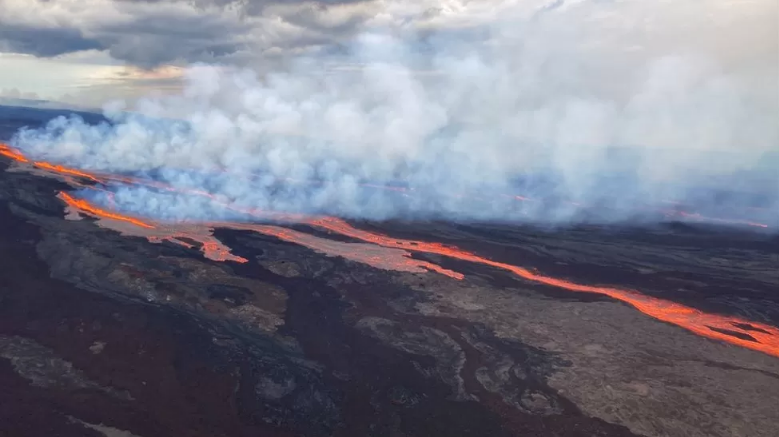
x: 42, y: 41
x: 547, y: 110
x: 151, y: 33
x: 605, y: 103
x: 13, y: 93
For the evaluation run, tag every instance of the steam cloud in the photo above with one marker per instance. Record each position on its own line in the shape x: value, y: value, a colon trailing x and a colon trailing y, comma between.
x: 465, y: 123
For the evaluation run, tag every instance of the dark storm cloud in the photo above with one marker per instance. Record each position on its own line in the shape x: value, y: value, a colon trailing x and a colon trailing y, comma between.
x: 45, y: 41
x: 247, y: 5
x: 148, y: 33
x: 252, y: 7
x: 309, y: 17
x: 150, y: 40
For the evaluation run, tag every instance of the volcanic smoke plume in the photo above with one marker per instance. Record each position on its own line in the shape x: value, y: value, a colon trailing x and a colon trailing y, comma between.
x: 515, y: 123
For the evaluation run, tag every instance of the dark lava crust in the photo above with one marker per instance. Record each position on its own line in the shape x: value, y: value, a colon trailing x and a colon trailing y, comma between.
x: 157, y: 369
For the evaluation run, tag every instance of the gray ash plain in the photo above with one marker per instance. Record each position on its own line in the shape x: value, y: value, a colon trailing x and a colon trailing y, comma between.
x: 108, y: 335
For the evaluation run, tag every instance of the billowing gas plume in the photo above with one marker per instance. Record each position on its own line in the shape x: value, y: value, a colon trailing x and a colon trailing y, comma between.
x: 513, y: 123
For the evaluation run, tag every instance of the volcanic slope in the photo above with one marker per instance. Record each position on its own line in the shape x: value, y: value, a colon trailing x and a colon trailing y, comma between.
x: 394, y: 256
x: 299, y: 332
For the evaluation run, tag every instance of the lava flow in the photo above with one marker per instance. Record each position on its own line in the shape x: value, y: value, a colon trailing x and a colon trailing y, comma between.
x: 85, y: 206
x: 65, y: 171
x: 9, y: 152
x: 372, y: 255
x: 212, y: 248
x: 756, y: 336
x: 396, y: 256
x: 180, y: 233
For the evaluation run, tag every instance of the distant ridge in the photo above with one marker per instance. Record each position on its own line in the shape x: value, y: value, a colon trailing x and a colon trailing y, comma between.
x: 44, y: 104
x: 15, y: 117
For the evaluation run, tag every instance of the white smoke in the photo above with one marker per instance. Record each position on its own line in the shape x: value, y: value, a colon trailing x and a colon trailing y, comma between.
x: 465, y: 123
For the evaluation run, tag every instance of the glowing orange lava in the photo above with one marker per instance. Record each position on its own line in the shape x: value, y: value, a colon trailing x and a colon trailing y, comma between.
x: 756, y: 336
x: 9, y: 152
x: 766, y: 337
x: 83, y: 205
x: 65, y: 170
x: 178, y: 233
x: 217, y: 251
x: 383, y: 258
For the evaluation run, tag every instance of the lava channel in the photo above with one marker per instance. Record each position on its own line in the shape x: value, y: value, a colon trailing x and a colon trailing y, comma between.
x: 10, y: 152
x: 202, y: 233
x: 179, y: 234
x: 757, y: 336
x: 751, y: 335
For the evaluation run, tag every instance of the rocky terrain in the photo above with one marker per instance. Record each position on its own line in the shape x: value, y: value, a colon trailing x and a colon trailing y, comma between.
x: 104, y: 334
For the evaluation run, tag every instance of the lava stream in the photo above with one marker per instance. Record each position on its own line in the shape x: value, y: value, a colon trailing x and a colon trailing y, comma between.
x: 380, y: 257
x: 756, y: 336
x: 66, y: 171
x: 83, y: 205
x: 9, y: 152
x: 763, y: 338
x: 212, y: 248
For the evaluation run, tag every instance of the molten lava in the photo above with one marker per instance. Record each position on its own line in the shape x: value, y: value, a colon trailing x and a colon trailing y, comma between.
x: 66, y: 171
x: 9, y: 152
x: 379, y: 257
x: 85, y: 206
x: 179, y: 233
x: 766, y: 337
x: 394, y: 254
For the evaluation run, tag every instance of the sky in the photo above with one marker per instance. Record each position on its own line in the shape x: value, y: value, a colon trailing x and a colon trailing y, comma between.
x: 90, y: 52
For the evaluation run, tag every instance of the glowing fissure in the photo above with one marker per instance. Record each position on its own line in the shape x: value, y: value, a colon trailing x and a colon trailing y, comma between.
x: 765, y: 337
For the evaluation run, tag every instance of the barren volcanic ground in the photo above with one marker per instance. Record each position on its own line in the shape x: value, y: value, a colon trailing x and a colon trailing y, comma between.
x: 328, y: 328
